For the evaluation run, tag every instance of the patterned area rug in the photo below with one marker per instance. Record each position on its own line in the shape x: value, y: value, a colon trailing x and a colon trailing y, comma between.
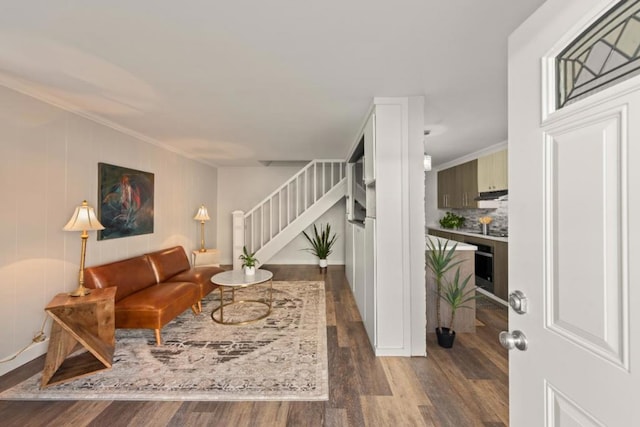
x: 282, y: 357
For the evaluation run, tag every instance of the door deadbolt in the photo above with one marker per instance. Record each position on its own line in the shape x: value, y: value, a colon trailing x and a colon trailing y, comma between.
x: 518, y: 302
x: 515, y: 339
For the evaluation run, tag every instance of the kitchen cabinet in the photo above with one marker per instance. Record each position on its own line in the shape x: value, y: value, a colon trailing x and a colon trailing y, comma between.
x: 443, y: 234
x: 501, y: 270
x: 467, y: 184
x: 446, y: 188
x: 458, y: 186
x: 500, y: 251
x: 493, y: 172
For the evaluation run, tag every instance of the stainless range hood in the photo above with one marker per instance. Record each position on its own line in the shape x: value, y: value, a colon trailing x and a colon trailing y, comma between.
x: 492, y: 195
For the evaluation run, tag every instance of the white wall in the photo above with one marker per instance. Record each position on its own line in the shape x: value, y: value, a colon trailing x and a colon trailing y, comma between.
x: 431, y: 212
x: 241, y: 188
x: 48, y: 165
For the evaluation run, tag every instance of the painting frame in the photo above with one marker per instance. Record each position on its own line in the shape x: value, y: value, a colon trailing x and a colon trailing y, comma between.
x: 126, y: 201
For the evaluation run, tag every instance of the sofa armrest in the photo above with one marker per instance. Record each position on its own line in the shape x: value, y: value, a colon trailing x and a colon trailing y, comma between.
x: 200, y: 276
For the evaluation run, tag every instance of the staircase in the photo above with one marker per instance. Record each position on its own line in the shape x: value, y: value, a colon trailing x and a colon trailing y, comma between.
x: 284, y: 214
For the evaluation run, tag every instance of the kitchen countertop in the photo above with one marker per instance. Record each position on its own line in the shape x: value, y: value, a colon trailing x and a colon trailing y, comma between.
x: 460, y: 246
x: 470, y: 233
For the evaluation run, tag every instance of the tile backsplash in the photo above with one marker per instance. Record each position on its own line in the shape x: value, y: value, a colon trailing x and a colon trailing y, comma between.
x: 500, y: 217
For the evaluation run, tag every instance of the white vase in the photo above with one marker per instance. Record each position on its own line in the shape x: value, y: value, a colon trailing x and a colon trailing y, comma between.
x: 249, y: 271
x: 322, y: 263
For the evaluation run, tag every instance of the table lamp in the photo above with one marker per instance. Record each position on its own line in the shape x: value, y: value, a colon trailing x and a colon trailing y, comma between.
x: 202, y: 216
x: 83, y: 219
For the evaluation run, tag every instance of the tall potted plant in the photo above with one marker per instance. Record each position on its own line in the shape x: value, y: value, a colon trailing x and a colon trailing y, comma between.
x: 456, y: 294
x: 439, y: 261
x: 321, y: 243
x: 249, y: 261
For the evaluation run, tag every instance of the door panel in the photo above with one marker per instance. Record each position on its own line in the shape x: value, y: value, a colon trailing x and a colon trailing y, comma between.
x: 586, y: 286
x: 564, y: 412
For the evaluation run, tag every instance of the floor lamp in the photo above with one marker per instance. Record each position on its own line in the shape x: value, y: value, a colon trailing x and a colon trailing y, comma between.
x: 83, y: 219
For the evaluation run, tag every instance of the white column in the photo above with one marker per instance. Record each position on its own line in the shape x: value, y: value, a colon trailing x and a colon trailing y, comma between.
x: 238, y: 238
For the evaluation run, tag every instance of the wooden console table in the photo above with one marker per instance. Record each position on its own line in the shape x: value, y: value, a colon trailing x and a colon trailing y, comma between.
x: 208, y: 257
x: 80, y: 322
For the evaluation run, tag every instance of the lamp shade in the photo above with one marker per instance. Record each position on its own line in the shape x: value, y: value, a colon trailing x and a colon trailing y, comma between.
x: 84, y: 218
x: 202, y: 214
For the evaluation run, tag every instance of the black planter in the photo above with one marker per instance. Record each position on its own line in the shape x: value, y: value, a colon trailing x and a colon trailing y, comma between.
x: 445, y: 339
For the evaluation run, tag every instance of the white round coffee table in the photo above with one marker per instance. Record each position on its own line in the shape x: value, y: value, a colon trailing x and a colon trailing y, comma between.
x: 236, y: 279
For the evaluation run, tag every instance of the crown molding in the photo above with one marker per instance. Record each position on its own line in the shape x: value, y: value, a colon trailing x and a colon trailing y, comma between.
x: 472, y: 156
x: 23, y: 88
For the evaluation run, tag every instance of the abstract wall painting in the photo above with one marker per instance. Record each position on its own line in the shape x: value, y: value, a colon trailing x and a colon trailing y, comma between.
x: 126, y: 201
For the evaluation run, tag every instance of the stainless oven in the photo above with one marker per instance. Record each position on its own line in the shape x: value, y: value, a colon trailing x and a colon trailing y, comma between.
x: 484, y: 266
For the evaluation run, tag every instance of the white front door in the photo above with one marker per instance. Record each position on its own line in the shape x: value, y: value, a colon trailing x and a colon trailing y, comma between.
x: 574, y: 234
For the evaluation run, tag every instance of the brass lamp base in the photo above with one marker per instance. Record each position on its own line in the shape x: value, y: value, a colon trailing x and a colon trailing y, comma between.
x: 202, y: 248
x: 80, y: 292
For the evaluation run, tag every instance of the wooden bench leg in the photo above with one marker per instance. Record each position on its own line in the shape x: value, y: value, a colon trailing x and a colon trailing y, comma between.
x: 194, y: 308
x: 158, y: 338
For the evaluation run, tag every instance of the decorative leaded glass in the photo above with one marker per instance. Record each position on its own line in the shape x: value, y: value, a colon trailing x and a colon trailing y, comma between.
x: 606, y: 53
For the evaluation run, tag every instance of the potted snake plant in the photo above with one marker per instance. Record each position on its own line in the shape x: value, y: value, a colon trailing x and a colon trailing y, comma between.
x: 440, y: 260
x: 321, y: 243
x: 456, y: 295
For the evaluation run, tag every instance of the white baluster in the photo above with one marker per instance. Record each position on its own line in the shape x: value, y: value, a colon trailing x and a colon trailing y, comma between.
x: 238, y: 222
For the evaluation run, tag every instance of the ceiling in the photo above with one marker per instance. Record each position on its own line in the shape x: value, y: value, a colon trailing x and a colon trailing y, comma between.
x: 237, y: 82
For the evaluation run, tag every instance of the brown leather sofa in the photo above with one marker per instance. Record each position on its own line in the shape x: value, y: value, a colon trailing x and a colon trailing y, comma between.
x: 154, y: 288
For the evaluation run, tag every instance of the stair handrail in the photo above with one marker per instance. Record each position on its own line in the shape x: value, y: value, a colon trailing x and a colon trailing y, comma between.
x: 289, y: 181
x: 241, y: 219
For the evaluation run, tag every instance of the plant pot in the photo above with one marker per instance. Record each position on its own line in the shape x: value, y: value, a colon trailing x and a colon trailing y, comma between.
x: 323, y: 263
x: 249, y: 271
x: 445, y: 339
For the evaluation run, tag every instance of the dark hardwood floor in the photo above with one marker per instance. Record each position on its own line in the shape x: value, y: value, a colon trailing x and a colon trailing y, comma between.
x: 463, y: 386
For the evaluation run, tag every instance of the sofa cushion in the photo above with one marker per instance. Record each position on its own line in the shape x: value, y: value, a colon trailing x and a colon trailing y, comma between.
x: 129, y: 275
x: 168, y: 262
x: 156, y: 305
x: 199, y: 275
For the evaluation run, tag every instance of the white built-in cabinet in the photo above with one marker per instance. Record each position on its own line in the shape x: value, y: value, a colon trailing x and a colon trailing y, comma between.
x: 386, y: 251
x: 493, y: 173
x: 369, y: 140
x: 359, y: 283
x: 348, y: 248
x: 369, y: 301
